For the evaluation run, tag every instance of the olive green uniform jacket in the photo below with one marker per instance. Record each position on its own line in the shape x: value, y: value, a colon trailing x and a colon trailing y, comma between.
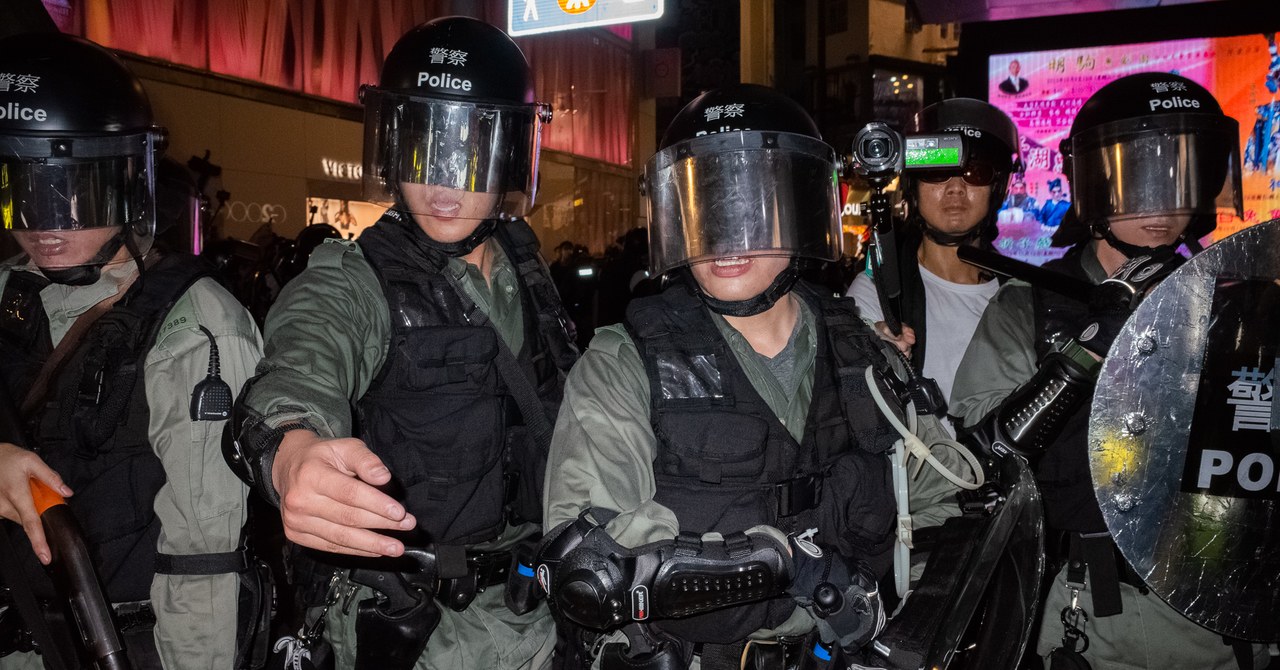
x: 603, y: 451
x: 1148, y: 634
x: 326, y: 339
x: 202, y: 505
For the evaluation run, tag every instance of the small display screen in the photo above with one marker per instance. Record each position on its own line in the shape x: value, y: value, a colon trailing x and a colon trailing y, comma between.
x: 933, y: 151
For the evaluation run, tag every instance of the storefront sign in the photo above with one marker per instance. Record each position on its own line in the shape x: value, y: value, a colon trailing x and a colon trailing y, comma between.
x: 530, y: 17
x: 341, y: 170
x: 256, y: 212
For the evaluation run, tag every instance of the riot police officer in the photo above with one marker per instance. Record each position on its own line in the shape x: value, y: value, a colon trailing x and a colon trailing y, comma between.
x: 123, y: 360
x: 411, y: 378
x: 708, y: 437
x: 1152, y: 162
x: 948, y: 209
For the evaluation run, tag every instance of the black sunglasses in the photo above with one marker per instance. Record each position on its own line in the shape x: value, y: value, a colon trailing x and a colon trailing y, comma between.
x: 974, y: 174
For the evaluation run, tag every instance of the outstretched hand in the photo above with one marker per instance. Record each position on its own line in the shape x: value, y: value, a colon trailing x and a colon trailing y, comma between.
x: 18, y: 467
x: 329, y: 498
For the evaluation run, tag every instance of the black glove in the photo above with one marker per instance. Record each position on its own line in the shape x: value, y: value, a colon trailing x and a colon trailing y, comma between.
x: 1114, y: 299
x: 842, y: 594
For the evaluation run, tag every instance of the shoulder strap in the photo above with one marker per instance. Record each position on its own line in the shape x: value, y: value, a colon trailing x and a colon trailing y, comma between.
x: 853, y: 348
x: 550, y: 317
x: 913, y: 292
x: 522, y: 390
x: 391, y: 238
x: 69, y: 343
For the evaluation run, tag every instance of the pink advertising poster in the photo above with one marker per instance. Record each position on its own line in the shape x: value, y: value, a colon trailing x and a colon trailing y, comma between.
x: 1042, y: 91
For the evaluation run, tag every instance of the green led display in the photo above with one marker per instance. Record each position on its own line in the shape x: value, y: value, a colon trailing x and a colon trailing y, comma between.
x: 933, y: 157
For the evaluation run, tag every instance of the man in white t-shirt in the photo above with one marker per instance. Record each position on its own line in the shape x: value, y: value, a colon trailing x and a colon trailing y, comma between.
x: 942, y: 296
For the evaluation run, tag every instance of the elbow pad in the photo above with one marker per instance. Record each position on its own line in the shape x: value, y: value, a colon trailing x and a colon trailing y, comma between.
x: 1031, y: 418
x: 595, y: 582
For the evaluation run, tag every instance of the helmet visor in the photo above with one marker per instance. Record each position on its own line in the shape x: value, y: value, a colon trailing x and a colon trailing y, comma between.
x: 76, y: 186
x: 1168, y: 165
x: 742, y: 193
x: 456, y: 146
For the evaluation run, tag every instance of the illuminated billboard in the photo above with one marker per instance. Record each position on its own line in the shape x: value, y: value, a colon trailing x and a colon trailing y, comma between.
x: 1042, y: 91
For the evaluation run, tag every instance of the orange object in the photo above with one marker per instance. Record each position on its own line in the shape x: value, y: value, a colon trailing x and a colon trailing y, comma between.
x: 44, y: 496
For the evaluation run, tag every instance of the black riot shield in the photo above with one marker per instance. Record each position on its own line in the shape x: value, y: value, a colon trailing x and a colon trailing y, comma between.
x: 1184, y: 438
x: 974, y: 605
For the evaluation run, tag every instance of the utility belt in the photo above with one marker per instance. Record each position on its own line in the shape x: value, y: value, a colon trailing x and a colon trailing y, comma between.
x: 394, y: 627
x: 1094, y: 558
x: 460, y: 578
x: 484, y: 570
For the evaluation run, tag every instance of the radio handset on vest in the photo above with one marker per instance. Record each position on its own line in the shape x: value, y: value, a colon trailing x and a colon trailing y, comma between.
x: 211, y: 398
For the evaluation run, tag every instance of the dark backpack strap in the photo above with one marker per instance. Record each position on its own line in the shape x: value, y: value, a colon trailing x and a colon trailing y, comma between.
x: 119, y: 342
x: 913, y: 297
x: 70, y: 342
x: 553, y: 323
x: 852, y: 351
x: 518, y: 383
x: 391, y: 236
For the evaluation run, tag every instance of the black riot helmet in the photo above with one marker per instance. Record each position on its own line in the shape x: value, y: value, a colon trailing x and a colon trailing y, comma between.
x: 742, y: 171
x: 306, y: 242
x: 78, y: 151
x: 992, y: 153
x: 453, y: 112
x: 1150, y: 144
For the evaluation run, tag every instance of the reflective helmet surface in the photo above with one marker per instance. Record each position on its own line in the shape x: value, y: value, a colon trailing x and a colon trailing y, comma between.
x: 991, y: 138
x: 1154, y: 144
x: 741, y: 170
x: 179, y: 209
x: 78, y: 149
x: 453, y: 111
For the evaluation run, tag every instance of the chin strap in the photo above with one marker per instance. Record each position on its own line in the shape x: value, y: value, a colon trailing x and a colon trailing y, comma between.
x: 465, y: 245
x: 1102, y: 231
x: 780, y: 286
x: 91, y: 270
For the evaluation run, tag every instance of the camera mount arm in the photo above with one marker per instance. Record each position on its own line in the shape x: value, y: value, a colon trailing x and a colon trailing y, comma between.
x: 882, y: 258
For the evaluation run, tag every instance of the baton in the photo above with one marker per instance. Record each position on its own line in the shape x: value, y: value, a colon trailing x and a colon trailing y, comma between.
x: 1076, y: 289
x: 76, y: 579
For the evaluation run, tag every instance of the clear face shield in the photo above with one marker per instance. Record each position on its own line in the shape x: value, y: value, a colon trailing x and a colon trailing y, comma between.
x: 451, y: 159
x: 741, y: 194
x: 64, y: 199
x: 1184, y: 169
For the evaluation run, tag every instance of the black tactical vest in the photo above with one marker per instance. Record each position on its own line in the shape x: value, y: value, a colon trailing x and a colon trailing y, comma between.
x: 726, y: 463
x: 439, y: 414
x: 1063, y: 470
x: 92, y: 428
